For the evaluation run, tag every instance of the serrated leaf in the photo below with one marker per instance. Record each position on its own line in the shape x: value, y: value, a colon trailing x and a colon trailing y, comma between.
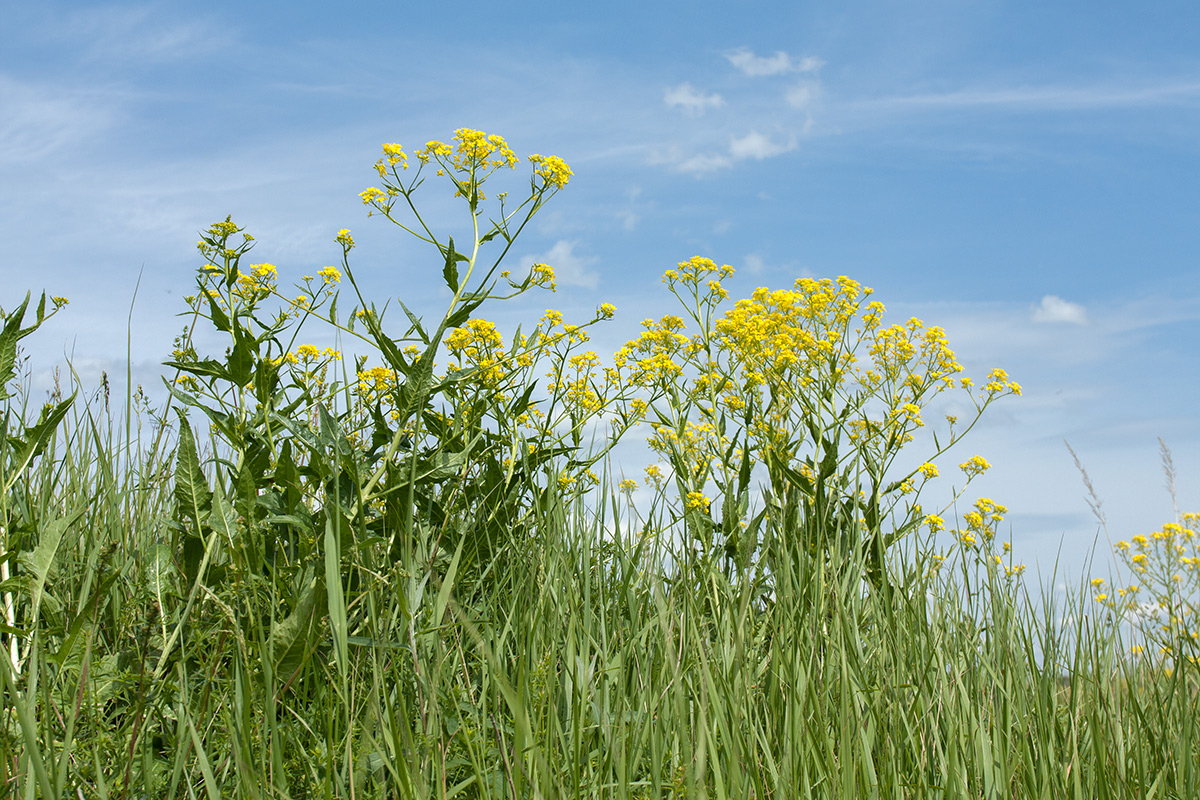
x: 450, y: 271
x: 240, y: 362
x: 40, y: 561
x: 192, y: 495
x: 36, y: 439
x: 295, y: 636
x: 9, y: 337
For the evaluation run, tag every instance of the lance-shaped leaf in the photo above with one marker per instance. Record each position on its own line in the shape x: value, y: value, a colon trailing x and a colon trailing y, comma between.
x: 192, y: 495
x: 40, y: 561
x: 450, y: 271
x: 295, y: 637
x: 36, y: 439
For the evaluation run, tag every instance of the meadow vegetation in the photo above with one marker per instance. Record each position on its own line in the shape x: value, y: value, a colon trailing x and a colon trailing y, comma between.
x: 415, y: 572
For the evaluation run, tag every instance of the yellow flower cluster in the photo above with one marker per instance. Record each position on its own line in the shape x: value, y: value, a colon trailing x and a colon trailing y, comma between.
x: 310, y: 353
x: 543, y: 275
x: 552, y: 170
x: 376, y: 382
x: 257, y: 284
x: 975, y: 465
x: 481, y: 346
x: 1167, y: 563
x: 650, y: 359
x: 393, y: 156
x: 980, y: 533
x: 472, y: 150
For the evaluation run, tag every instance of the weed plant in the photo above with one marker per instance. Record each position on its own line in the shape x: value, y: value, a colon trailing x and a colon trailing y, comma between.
x: 420, y: 579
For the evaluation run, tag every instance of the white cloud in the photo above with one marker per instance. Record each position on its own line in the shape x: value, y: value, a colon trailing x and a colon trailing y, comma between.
x: 757, y: 146
x: 744, y: 59
x: 569, y: 269
x: 753, y: 145
x: 704, y: 163
x: 1055, y: 309
x: 754, y: 264
x: 803, y: 95
x: 690, y: 100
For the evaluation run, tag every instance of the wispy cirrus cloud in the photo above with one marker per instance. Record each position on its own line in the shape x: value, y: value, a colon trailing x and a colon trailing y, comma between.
x: 142, y: 33
x: 42, y: 119
x: 778, y: 64
x: 1053, y: 98
x: 690, y: 100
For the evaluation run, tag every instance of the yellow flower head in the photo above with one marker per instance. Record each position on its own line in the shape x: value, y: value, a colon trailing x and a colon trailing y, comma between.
x: 551, y: 169
x: 975, y: 465
x: 543, y: 275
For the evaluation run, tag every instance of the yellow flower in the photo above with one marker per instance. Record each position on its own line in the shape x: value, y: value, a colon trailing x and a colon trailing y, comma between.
x: 975, y: 465
x: 371, y: 195
x: 344, y: 238
x: 394, y: 154
x: 330, y: 274
x: 697, y: 500
x: 552, y: 169
x: 655, y: 474
x: 543, y: 275
x: 928, y: 469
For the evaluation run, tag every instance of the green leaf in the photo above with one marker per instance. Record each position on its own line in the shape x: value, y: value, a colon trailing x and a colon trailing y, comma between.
x: 223, y: 518
x: 192, y: 495
x: 36, y: 439
x: 335, y: 595
x: 294, y: 637
x: 450, y: 271
x: 219, y: 320
x: 208, y: 367
x: 8, y: 346
x: 240, y: 362
x: 40, y: 561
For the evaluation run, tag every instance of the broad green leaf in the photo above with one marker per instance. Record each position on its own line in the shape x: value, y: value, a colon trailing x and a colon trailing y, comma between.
x: 192, y: 495
x: 40, y: 561
x: 219, y: 320
x: 8, y: 346
x: 295, y: 636
x: 36, y: 439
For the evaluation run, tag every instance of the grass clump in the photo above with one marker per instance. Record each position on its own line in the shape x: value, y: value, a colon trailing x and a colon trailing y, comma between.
x: 306, y: 578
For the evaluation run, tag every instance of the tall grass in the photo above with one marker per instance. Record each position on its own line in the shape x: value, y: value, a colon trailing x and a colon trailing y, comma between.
x: 410, y: 588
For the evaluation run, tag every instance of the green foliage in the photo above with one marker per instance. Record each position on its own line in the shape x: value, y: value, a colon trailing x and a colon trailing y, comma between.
x: 409, y: 581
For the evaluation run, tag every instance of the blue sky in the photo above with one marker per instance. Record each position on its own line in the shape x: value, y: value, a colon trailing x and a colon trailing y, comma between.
x: 1022, y: 173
